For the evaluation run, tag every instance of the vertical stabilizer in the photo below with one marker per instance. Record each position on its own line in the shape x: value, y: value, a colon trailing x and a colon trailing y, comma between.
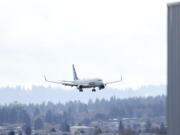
x: 74, y: 73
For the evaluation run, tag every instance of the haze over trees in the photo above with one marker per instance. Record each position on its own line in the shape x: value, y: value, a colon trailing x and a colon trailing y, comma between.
x: 76, y: 112
x: 39, y: 94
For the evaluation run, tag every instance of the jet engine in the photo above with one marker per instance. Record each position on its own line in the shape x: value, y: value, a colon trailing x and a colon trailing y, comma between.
x: 102, y: 86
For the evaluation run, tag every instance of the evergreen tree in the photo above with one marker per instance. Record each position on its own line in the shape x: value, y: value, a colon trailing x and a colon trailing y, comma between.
x: 28, y: 130
x: 162, y: 127
x: 36, y: 112
x: 65, y: 127
x: 148, y: 126
x: 20, y: 133
x: 38, y: 124
x: 11, y: 133
x: 121, y: 127
x: 49, y: 116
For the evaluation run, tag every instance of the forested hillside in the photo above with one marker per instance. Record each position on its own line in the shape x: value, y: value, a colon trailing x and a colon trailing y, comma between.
x: 80, y: 113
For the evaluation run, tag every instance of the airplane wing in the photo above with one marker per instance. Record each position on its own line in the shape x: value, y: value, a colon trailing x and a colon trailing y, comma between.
x: 66, y: 83
x: 113, y: 81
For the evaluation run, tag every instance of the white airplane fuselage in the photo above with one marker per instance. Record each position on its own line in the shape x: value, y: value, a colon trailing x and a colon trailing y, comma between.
x: 89, y: 83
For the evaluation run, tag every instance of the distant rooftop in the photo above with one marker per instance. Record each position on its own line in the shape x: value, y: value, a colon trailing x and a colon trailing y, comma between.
x: 81, y: 127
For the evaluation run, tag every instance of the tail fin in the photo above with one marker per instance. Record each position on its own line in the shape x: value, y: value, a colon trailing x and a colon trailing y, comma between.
x: 74, y: 73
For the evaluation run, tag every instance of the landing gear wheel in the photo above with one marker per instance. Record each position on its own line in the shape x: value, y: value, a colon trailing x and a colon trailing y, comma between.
x: 93, y: 90
x: 80, y: 90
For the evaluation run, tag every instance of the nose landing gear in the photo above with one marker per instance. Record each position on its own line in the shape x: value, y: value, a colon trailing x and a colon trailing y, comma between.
x: 81, y: 90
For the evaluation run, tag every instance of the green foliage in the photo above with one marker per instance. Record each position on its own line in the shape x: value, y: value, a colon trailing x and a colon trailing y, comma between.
x: 38, y: 124
x: 49, y: 116
x: 64, y: 127
x: 162, y: 127
x: 53, y: 130
x: 20, y: 133
x: 86, y: 122
x: 28, y: 130
x: 121, y: 127
x: 11, y: 133
x: 129, y: 132
x: 77, y: 112
x: 14, y: 114
x: 148, y: 126
x: 36, y: 112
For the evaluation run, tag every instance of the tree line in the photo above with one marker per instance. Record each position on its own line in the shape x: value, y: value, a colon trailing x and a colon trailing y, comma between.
x: 76, y: 112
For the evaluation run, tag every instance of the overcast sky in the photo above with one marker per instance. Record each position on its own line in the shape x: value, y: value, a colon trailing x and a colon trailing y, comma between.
x: 103, y: 38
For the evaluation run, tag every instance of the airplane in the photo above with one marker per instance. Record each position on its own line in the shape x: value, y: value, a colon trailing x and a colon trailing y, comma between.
x: 80, y: 84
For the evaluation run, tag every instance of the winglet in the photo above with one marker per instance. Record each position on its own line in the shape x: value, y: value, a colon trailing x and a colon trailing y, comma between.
x: 113, y: 81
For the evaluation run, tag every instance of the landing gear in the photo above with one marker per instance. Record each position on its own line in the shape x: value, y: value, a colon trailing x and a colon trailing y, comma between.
x: 80, y: 90
x: 93, y: 90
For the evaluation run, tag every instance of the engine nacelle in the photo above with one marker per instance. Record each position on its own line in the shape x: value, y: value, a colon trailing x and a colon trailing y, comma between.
x: 102, y: 86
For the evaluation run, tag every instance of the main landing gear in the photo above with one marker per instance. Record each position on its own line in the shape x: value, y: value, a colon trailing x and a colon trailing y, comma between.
x: 93, y: 90
x: 80, y: 88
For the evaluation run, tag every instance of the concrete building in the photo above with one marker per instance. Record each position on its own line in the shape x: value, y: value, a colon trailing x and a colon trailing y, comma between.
x: 173, y: 102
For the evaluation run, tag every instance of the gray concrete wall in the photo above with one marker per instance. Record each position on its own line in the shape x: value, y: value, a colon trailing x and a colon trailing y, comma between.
x: 173, y: 102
